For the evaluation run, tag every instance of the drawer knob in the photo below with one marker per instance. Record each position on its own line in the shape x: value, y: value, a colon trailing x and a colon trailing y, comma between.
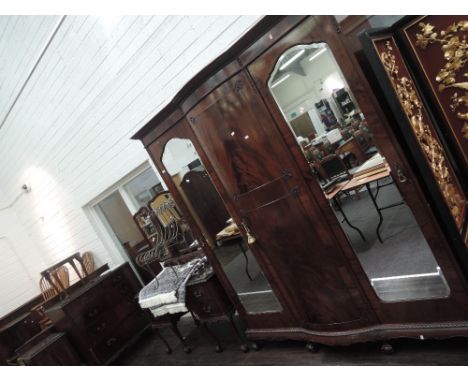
x: 197, y: 293
x: 93, y: 313
x: 207, y: 308
x: 117, y: 278
x: 111, y: 341
x: 101, y: 327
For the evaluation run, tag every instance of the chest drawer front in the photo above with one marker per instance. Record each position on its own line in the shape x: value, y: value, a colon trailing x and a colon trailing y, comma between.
x: 114, y: 341
x: 126, y: 308
x: 102, y: 328
x: 88, y: 310
x: 206, y: 301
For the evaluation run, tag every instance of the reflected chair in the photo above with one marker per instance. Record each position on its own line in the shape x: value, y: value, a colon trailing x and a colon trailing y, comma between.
x: 146, y: 224
x: 333, y: 168
x: 364, y: 143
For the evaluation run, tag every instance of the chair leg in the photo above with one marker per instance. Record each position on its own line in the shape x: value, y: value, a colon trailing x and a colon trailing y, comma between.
x: 176, y: 331
x: 158, y: 333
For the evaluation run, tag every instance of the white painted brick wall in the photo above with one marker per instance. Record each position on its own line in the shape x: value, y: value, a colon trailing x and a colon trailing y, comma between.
x: 68, y: 135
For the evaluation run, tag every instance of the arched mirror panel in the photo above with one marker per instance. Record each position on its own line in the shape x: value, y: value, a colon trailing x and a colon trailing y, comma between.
x: 337, y: 142
x: 186, y: 169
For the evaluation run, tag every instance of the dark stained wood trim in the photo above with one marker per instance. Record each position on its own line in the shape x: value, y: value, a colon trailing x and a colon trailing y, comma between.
x: 438, y: 330
x: 352, y: 22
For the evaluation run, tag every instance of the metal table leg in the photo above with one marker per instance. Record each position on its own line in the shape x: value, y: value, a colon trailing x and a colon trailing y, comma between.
x: 379, y: 209
x: 246, y: 260
x: 346, y: 219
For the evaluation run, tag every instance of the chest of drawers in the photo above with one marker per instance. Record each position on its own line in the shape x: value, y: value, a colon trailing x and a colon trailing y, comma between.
x: 102, y: 317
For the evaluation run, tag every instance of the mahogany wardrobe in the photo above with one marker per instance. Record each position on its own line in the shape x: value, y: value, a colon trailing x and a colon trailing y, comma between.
x: 309, y: 275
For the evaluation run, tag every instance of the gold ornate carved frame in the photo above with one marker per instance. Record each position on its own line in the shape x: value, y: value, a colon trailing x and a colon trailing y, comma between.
x: 421, y: 135
x: 438, y: 52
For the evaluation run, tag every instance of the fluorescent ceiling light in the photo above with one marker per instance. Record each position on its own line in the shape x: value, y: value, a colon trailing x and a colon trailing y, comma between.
x: 281, y: 80
x: 317, y: 54
x: 292, y: 59
x: 414, y: 276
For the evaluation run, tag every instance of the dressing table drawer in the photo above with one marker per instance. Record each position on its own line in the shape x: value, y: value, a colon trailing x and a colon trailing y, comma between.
x: 208, y: 300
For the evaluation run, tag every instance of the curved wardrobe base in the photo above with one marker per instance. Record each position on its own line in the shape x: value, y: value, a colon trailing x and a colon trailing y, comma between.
x: 421, y: 331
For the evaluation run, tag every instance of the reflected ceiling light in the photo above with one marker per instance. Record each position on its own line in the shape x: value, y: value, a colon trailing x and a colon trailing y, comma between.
x: 317, y: 54
x: 280, y: 80
x: 292, y: 59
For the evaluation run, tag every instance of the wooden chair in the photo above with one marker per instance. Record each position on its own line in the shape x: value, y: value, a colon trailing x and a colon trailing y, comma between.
x: 88, y: 262
x: 146, y: 224
x: 170, y: 214
x: 49, y: 291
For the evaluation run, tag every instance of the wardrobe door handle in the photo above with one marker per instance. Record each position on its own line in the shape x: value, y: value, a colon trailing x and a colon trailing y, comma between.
x: 250, y: 238
x: 207, y: 308
x: 401, y: 175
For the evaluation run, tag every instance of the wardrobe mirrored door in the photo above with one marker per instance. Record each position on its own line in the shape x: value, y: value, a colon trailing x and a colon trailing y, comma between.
x: 184, y: 165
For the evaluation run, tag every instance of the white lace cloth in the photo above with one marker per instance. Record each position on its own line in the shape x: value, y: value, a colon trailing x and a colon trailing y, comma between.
x: 166, y: 293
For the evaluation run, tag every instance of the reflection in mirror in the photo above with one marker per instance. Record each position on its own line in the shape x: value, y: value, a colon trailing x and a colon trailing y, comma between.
x: 222, y: 234
x: 337, y: 142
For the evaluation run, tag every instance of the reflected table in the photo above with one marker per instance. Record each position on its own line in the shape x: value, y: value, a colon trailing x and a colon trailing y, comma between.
x: 332, y: 195
x: 366, y: 178
x: 239, y: 240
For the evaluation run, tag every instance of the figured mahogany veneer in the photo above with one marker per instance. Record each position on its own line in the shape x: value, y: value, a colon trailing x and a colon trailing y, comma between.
x: 258, y: 169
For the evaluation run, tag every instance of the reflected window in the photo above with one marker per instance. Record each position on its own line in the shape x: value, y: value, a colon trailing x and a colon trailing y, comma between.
x: 357, y: 181
x: 222, y: 234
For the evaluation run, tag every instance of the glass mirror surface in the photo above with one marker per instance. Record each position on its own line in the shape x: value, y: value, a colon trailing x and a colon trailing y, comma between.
x: 144, y: 187
x: 357, y: 181
x: 183, y: 164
